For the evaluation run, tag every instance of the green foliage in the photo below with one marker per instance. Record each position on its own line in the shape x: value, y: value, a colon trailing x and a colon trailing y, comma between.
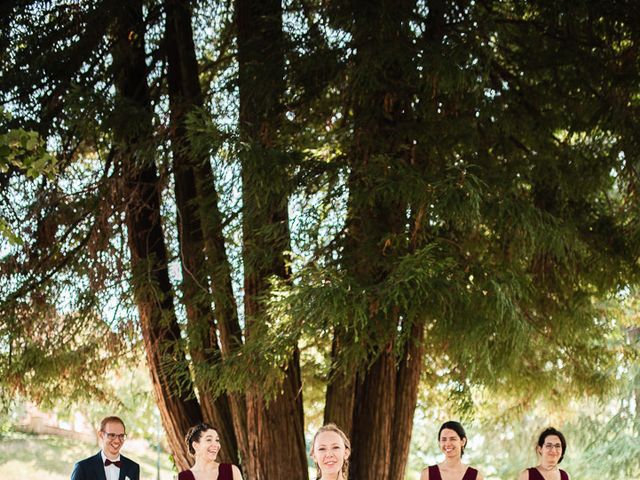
x: 58, y: 357
x: 128, y: 394
x: 514, y: 164
x: 495, y: 143
x: 23, y: 151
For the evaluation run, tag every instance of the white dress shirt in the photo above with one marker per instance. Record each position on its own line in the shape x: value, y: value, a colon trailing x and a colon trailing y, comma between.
x: 111, y: 472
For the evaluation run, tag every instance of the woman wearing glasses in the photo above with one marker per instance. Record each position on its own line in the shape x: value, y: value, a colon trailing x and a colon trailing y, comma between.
x: 551, y: 448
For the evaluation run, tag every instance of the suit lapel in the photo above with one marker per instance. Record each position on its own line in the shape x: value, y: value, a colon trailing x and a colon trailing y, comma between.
x: 124, y: 469
x: 99, y: 467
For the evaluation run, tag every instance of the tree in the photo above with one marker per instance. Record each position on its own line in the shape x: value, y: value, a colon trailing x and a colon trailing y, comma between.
x: 201, y: 238
x: 445, y: 194
x: 151, y: 285
x: 422, y: 189
x: 276, y: 420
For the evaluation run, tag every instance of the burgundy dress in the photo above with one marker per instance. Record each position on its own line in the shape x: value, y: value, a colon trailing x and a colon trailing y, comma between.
x: 225, y: 472
x: 534, y: 474
x: 434, y: 473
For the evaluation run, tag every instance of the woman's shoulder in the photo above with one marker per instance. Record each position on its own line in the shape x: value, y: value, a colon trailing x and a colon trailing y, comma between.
x: 186, y: 475
x: 424, y: 475
x: 473, y: 473
x: 430, y: 473
x: 229, y: 470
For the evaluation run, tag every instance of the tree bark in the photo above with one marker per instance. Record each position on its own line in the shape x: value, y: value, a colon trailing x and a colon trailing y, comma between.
x: 184, y: 97
x: 341, y: 390
x: 411, y: 362
x: 373, y: 419
x: 275, y: 425
x: 153, y: 292
x: 386, y: 392
x: 406, y: 393
x: 226, y: 310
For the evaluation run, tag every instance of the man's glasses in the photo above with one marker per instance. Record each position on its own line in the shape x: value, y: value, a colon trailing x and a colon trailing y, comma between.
x: 113, y: 436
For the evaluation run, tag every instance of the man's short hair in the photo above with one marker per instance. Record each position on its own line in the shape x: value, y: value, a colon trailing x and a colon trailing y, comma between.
x: 111, y: 419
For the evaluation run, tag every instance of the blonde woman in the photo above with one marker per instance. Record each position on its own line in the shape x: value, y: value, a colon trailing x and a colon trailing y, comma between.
x: 330, y: 450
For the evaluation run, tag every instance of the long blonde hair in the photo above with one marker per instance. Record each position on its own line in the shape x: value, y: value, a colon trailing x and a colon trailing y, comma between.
x: 332, y: 427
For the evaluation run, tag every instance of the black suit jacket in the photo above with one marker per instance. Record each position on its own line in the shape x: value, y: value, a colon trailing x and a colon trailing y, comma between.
x: 92, y: 468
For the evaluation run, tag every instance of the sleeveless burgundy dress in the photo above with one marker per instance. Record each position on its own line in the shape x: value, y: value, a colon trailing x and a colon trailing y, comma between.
x: 534, y: 474
x: 224, y: 473
x: 434, y: 473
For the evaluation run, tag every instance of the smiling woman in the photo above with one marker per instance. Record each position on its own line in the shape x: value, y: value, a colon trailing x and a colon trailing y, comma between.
x: 330, y: 450
x: 551, y: 448
x: 203, y: 443
x: 452, y: 439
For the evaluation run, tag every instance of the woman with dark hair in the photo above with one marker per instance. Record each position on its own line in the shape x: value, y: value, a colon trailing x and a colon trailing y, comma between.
x: 551, y: 448
x: 453, y: 440
x: 330, y: 450
x: 203, y: 443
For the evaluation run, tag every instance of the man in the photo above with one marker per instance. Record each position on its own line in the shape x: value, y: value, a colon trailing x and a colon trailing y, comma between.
x: 108, y: 464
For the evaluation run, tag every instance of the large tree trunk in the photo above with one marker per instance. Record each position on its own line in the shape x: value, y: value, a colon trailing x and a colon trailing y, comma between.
x: 411, y: 362
x: 278, y: 420
x: 386, y: 393
x: 407, y: 385
x: 340, y: 396
x: 377, y: 388
x: 373, y: 419
x: 226, y: 309
x: 153, y: 292
x: 184, y: 96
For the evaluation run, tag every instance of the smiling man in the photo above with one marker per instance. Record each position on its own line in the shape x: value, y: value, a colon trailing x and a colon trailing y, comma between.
x: 108, y: 464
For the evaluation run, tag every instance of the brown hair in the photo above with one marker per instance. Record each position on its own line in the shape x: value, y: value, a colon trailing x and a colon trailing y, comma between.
x: 332, y: 427
x: 552, y: 431
x: 458, y: 428
x: 111, y: 419
x: 194, y: 434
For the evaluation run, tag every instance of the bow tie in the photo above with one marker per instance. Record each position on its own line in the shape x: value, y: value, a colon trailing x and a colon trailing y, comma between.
x: 108, y: 462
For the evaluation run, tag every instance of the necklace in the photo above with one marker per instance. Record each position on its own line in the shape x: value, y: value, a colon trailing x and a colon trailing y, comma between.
x: 548, y: 469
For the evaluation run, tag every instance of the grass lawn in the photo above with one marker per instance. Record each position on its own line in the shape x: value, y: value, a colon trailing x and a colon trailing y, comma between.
x: 34, y: 456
